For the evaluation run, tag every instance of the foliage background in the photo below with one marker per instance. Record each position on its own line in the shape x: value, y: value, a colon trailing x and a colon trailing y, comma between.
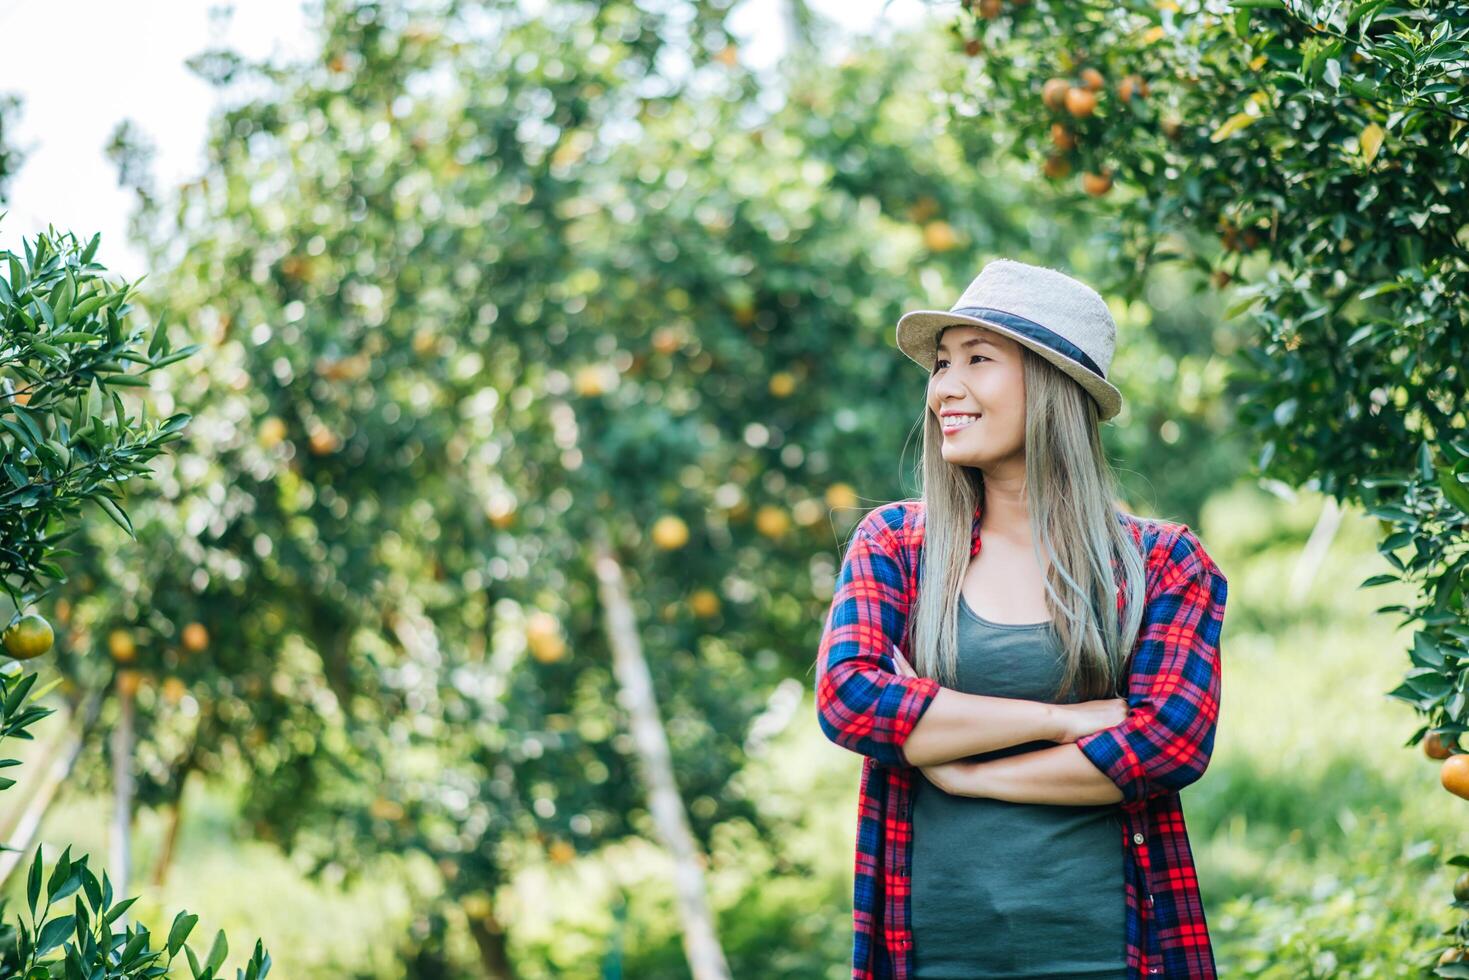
x: 476, y: 286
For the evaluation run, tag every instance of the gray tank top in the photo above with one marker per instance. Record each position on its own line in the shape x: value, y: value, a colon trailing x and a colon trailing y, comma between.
x: 1014, y: 889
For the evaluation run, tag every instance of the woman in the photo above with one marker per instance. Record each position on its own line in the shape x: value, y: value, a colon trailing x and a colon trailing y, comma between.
x: 1017, y: 817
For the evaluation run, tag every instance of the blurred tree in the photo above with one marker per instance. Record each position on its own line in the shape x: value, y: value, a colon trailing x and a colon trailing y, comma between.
x: 482, y: 289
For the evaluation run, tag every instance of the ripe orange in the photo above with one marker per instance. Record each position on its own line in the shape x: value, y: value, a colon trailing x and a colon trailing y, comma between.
x: 323, y: 442
x: 772, y: 521
x: 1455, y: 775
x: 174, y: 690
x: 543, y: 636
x: 1080, y: 101
x: 670, y: 532
x: 939, y: 236
x: 591, y: 381
x: 841, y: 496
x: 1434, y: 748
x: 1096, y: 184
x: 1053, y: 93
x: 1056, y: 166
x: 128, y: 682
x: 1062, y: 138
x: 923, y: 209
x: 120, y: 644
x: 1454, y: 954
x: 29, y: 636
x: 989, y: 9
x: 704, y: 603
x: 1092, y: 79
x: 195, y: 637
x: 272, y: 431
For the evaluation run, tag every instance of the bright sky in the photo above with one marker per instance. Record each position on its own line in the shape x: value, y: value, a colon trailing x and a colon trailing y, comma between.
x: 83, y: 66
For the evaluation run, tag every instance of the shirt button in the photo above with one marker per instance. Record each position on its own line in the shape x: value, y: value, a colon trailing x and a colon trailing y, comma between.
x: 1137, y: 838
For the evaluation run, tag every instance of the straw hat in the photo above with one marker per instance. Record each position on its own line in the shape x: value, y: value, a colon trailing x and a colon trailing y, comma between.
x: 1064, y: 320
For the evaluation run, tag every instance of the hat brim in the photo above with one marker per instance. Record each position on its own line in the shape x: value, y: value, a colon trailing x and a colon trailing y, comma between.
x: 918, y: 329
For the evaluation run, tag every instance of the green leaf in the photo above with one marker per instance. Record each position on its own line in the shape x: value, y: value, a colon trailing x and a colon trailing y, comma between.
x: 217, y: 952
x: 91, y: 250
x: 119, y: 908
x: 33, y: 883
x: 52, y: 934
x: 1453, y: 490
x: 47, y: 313
x: 1426, y: 653
x: 160, y: 337
x: 128, y: 380
x: 183, y: 924
x: 113, y: 511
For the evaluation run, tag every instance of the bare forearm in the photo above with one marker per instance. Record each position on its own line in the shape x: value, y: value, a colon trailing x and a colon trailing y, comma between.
x: 957, y: 725
x: 1059, y: 775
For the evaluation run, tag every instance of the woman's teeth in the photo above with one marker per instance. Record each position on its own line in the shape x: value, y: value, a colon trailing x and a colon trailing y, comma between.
x: 953, y: 423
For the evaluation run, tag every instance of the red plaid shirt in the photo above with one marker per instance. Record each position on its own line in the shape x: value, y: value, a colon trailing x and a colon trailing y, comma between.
x: 864, y: 705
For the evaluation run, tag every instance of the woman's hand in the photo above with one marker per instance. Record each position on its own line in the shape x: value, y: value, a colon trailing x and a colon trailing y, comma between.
x: 904, y: 667
x: 1086, y: 717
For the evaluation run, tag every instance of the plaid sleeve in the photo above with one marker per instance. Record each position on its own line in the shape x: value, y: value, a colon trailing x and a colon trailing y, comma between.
x: 1165, y: 743
x: 862, y: 702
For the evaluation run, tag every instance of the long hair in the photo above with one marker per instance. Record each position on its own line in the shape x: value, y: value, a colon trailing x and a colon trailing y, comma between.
x: 1071, y: 493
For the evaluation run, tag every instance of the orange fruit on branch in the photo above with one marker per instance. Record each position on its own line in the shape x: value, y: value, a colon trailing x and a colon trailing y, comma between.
x: 1434, y: 747
x: 1080, y: 101
x: 670, y: 532
x: 1454, y: 775
x: 1053, y: 93
x: 120, y: 644
x: 1096, y: 184
x: 29, y: 636
x: 195, y: 637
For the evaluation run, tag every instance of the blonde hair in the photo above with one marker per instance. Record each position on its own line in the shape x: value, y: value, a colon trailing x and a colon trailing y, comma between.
x: 1071, y: 493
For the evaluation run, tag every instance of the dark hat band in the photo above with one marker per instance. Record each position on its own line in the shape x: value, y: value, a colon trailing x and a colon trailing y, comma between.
x: 1041, y: 335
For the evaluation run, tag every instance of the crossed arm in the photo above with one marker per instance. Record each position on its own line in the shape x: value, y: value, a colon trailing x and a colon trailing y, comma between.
x: 1059, y: 775
x: 867, y: 703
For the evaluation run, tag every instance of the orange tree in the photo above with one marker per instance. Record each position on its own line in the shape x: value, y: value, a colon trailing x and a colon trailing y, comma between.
x: 67, y: 349
x: 1313, y: 158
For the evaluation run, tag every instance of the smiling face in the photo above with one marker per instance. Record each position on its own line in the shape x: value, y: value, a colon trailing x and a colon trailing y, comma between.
x: 979, y: 372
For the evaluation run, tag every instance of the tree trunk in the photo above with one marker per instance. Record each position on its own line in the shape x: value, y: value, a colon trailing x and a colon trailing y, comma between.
x: 1313, y: 553
x: 60, y: 766
x: 171, y: 838
x: 636, y: 695
x: 122, y: 798
x: 494, y: 954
